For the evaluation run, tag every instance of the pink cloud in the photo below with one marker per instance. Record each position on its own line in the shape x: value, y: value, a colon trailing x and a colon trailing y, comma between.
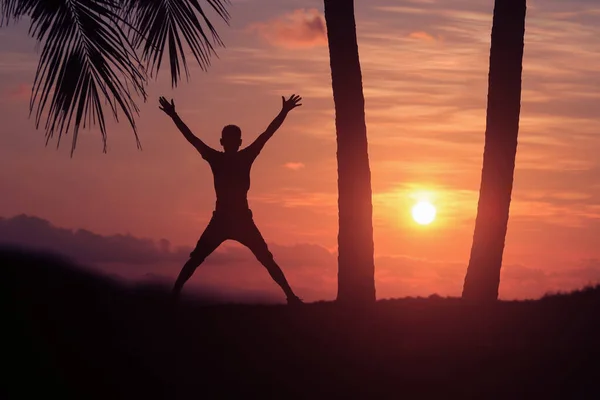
x: 294, y: 166
x: 20, y: 92
x: 300, y: 28
x: 421, y: 35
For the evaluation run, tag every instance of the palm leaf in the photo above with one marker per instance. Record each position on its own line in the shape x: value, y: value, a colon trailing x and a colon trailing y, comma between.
x: 88, y: 54
x: 10, y: 10
x: 86, y: 60
x: 158, y: 23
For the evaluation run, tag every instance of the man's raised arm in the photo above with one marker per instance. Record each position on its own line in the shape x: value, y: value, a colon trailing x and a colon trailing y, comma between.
x: 169, y: 109
x: 287, y: 106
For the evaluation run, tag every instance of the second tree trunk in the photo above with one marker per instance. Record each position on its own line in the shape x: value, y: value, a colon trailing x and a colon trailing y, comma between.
x: 504, y: 105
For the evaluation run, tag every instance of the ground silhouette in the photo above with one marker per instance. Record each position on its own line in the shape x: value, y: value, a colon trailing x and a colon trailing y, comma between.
x: 77, y: 335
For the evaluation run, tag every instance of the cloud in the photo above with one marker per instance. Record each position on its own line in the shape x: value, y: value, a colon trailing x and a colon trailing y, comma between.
x: 229, y: 268
x: 310, y: 268
x: 294, y: 166
x: 20, y: 92
x: 18, y: 62
x: 420, y: 35
x: 84, y: 246
x: 300, y: 198
x: 518, y: 281
x: 298, y: 29
x: 91, y: 248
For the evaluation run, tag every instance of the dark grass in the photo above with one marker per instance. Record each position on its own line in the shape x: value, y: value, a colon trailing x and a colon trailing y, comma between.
x: 72, y: 334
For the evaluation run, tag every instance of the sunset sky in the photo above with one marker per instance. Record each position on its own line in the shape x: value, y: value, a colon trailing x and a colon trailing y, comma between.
x: 425, y: 65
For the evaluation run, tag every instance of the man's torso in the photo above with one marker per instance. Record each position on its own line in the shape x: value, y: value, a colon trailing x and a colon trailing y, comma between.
x: 231, y: 172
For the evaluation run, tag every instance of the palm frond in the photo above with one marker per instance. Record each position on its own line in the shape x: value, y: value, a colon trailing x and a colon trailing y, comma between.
x: 156, y: 24
x: 86, y: 60
x: 8, y: 11
x: 89, y: 58
x: 11, y: 10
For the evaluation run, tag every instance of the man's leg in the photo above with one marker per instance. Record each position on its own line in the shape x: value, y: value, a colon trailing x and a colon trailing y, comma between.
x: 249, y: 235
x: 211, y: 238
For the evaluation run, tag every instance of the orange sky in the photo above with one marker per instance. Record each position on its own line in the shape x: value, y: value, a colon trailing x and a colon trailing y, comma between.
x: 425, y: 66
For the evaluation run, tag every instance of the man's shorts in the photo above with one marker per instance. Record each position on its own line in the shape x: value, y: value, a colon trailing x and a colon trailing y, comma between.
x: 238, y: 226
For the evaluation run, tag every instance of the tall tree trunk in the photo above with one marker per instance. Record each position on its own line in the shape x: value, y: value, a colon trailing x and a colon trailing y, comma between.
x: 504, y: 105
x: 356, y: 267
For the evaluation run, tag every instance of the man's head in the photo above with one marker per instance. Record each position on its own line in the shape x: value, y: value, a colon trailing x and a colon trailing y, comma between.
x: 231, y: 138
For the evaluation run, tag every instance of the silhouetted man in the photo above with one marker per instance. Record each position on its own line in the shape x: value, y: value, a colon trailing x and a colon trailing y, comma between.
x: 232, y: 218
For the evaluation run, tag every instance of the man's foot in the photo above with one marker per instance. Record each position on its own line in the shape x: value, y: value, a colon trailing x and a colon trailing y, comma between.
x: 294, y: 301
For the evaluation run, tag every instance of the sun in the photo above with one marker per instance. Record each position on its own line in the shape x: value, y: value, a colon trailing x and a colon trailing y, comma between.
x: 423, y: 213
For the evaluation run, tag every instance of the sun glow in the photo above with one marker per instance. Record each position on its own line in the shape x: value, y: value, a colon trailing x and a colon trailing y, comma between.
x: 423, y: 212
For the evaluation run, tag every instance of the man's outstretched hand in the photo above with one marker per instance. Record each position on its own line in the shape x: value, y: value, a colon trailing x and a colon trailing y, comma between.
x: 291, y: 103
x: 168, y: 108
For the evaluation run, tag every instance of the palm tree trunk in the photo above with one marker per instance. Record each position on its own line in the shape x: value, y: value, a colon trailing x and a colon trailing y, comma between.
x: 503, y: 109
x: 356, y: 267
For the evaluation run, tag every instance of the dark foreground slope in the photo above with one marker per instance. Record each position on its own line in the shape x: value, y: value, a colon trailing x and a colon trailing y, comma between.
x: 76, y: 335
